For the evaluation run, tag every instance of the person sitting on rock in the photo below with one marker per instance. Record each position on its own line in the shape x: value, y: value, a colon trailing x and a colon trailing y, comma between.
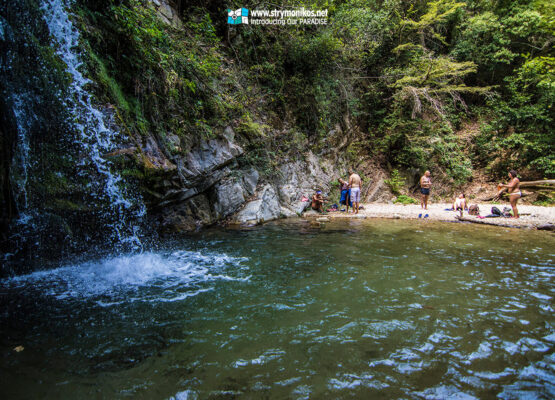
x: 318, y: 201
x: 460, y: 203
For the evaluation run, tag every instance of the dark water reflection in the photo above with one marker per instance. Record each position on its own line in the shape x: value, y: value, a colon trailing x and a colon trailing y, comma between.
x: 360, y: 309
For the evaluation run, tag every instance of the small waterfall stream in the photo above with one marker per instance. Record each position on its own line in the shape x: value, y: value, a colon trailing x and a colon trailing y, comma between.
x: 63, y: 197
x: 95, y: 137
x: 20, y: 164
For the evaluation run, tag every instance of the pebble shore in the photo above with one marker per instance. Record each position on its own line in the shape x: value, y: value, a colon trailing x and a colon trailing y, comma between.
x: 531, y: 216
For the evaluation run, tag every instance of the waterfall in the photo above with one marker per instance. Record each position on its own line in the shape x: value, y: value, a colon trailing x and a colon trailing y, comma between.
x: 95, y: 137
x: 20, y: 163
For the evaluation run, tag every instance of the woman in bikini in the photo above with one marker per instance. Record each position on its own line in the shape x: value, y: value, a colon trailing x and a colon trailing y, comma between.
x: 460, y: 203
x: 513, y: 190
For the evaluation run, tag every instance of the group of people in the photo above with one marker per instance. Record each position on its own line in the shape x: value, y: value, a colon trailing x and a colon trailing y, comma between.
x: 350, y: 193
x: 512, y: 188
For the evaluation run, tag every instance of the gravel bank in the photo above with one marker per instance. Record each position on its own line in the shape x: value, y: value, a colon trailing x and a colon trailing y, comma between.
x: 532, y: 216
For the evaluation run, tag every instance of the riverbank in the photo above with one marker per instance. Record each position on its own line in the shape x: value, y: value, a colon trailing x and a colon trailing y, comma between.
x: 532, y: 217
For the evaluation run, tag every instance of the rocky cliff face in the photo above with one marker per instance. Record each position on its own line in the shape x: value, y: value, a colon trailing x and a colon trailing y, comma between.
x: 206, y: 184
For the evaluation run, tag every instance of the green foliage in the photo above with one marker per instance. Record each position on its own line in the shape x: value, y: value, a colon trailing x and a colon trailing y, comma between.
x: 546, y: 199
x: 403, y: 199
x: 161, y: 78
x: 407, y: 74
x: 396, y: 182
x: 251, y: 129
x: 428, y: 25
x: 493, y: 52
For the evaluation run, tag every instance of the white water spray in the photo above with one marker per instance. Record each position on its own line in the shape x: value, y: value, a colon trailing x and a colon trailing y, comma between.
x: 96, y: 138
x: 145, y: 277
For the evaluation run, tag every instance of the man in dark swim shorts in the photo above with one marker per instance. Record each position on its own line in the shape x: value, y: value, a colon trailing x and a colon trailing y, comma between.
x: 425, y: 185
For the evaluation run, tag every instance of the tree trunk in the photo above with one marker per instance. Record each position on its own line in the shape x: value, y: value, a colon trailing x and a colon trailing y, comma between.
x: 538, y: 183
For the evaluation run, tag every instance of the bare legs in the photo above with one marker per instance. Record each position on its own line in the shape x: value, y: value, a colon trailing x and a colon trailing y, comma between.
x: 424, y: 201
x: 513, y: 198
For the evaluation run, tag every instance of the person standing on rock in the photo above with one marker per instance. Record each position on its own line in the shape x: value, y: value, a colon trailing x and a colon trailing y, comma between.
x: 355, y: 183
x: 425, y: 185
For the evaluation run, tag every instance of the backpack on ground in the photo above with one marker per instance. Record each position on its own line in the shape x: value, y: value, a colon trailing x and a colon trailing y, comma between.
x: 507, y: 212
x: 474, y: 209
x: 496, y: 211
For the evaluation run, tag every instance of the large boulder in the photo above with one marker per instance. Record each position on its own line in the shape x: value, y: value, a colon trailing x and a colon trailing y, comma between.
x: 188, y: 215
x: 250, y: 180
x: 230, y: 194
x: 208, y: 157
x: 300, y: 178
x: 167, y: 12
x: 228, y: 197
x: 265, y: 208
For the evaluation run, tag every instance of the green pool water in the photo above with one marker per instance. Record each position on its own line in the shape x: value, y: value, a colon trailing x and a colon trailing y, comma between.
x: 356, y: 309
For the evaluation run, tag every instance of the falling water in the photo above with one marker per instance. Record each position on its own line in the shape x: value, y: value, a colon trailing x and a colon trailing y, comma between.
x: 95, y: 137
x: 23, y: 119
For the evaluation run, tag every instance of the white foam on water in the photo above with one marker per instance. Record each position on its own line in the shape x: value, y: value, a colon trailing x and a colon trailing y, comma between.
x: 266, y: 357
x: 336, y: 384
x: 540, y: 296
x: 426, y: 348
x: 484, y: 351
x: 151, y: 277
x: 382, y: 329
x: 350, y: 381
x: 387, y: 363
x: 493, y: 376
x: 535, y: 381
x: 524, y: 346
x: 185, y: 395
x: 289, y: 381
x: 445, y: 392
x: 407, y: 368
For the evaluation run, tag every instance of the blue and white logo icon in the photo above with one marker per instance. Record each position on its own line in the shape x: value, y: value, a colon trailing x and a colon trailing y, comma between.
x: 240, y: 16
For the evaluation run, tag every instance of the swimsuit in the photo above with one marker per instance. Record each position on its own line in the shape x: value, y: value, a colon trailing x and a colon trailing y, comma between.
x: 425, y: 191
x: 459, y: 204
x: 519, y: 193
x: 355, y: 195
